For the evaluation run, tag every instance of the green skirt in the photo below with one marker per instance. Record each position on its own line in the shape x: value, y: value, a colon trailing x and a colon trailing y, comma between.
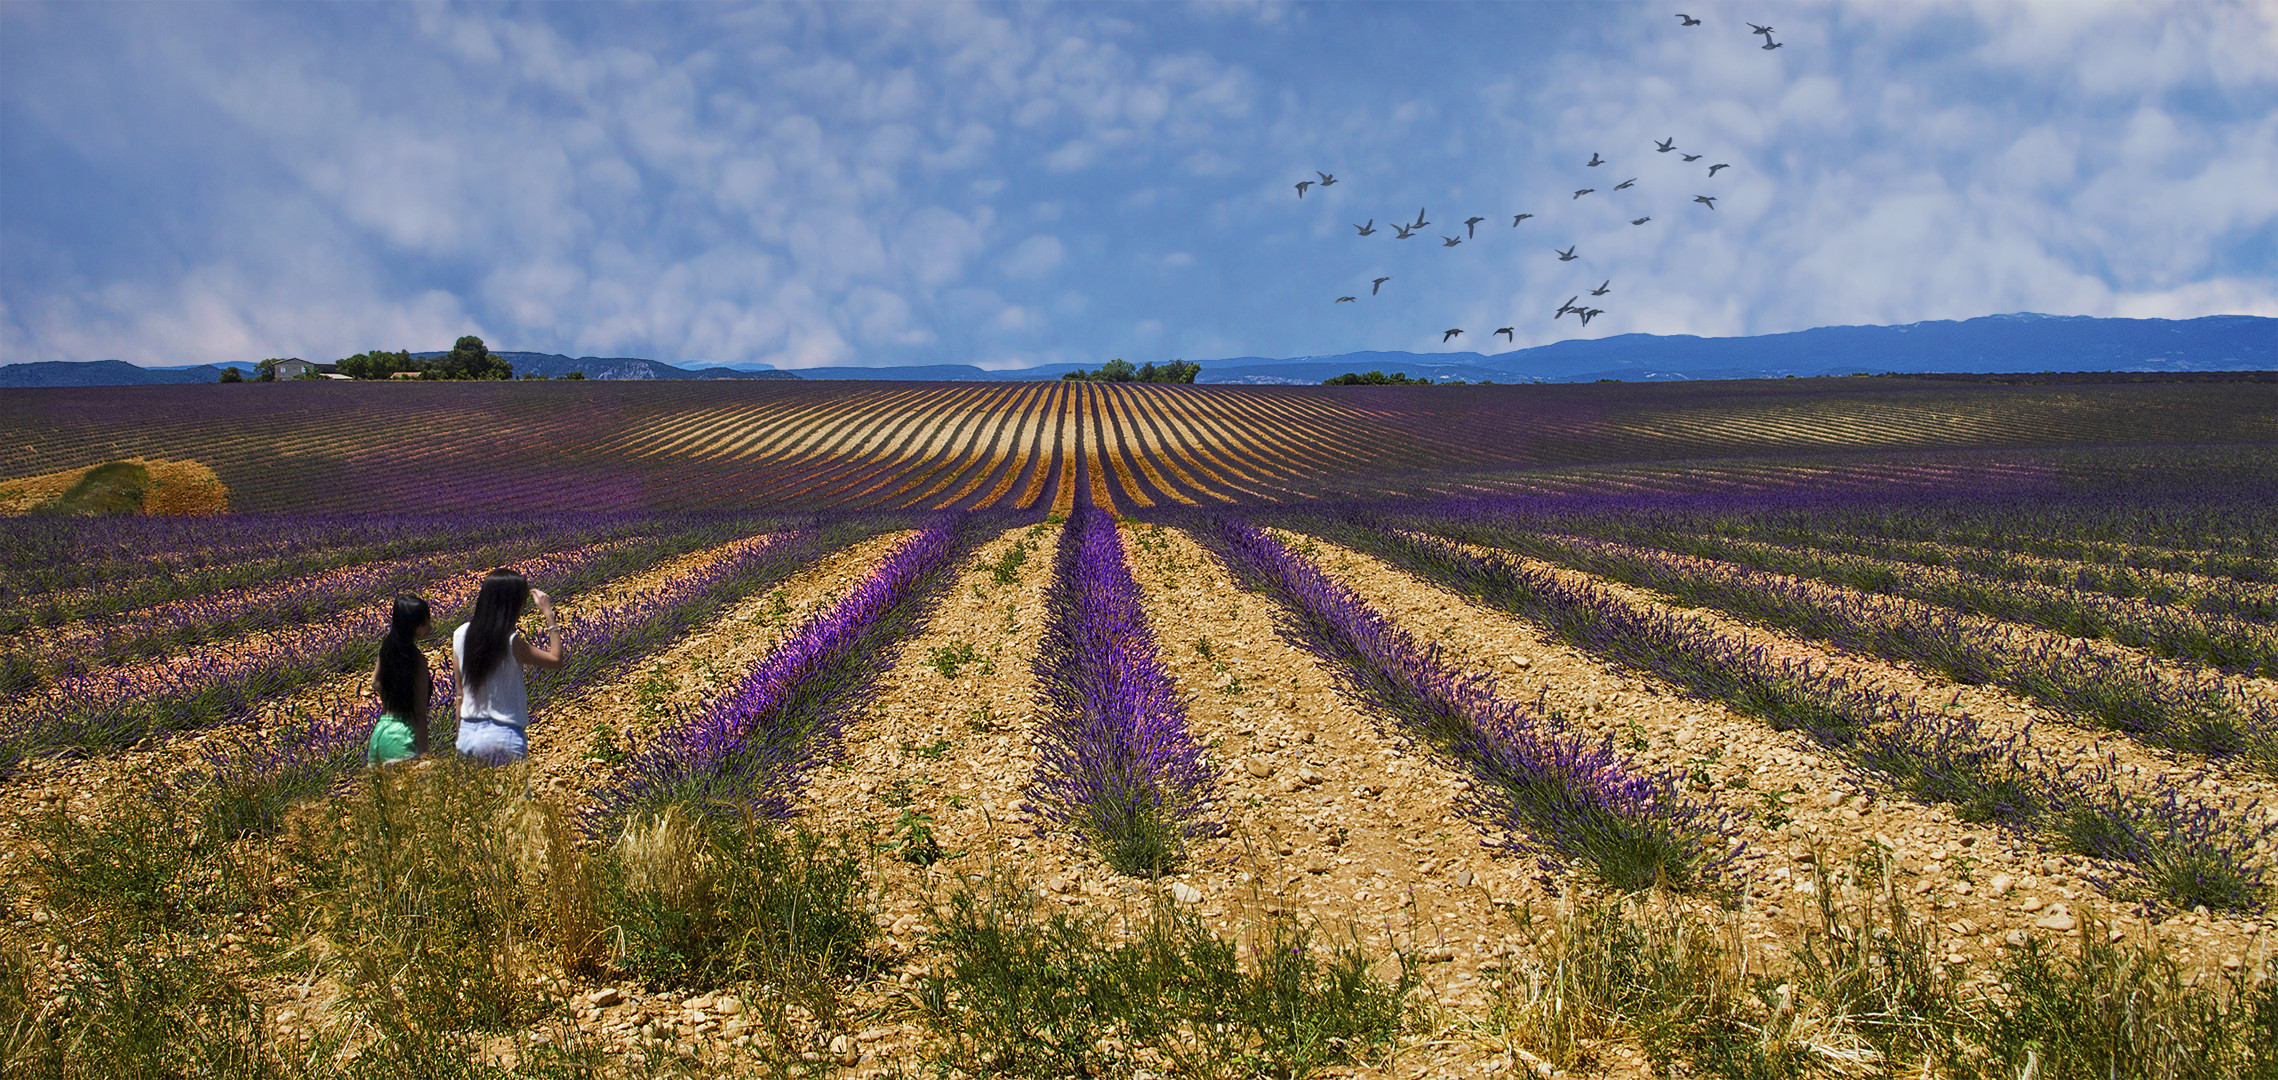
x: 391, y: 741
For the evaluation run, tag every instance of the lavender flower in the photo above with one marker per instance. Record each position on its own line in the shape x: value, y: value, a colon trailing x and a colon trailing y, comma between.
x: 1116, y: 766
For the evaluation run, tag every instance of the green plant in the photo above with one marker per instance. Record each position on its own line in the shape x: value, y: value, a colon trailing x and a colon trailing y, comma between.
x: 604, y: 746
x: 1006, y: 570
x: 914, y: 840
x: 1019, y: 993
x: 932, y: 751
x: 948, y: 659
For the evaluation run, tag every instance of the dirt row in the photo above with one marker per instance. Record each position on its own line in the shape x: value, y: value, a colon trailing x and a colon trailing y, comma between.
x: 1983, y: 887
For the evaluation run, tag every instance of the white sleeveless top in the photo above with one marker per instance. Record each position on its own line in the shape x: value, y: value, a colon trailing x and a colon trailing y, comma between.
x: 499, y: 699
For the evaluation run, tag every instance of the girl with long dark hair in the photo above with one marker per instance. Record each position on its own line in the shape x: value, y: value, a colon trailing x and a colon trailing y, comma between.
x: 400, y: 679
x: 489, y: 655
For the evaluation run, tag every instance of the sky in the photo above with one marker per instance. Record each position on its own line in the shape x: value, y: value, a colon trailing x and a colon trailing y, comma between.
x: 1006, y: 186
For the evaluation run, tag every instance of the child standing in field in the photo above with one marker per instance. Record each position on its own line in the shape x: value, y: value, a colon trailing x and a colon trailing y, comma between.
x: 489, y: 656
x: 400, y: 679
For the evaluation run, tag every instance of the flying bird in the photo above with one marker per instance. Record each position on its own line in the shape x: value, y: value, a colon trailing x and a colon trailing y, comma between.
x: 1346, y: 299
x: 1603, y: 289
x: 1471, y: 227
x: 1420, y: 222
x: 1639, y: 220
x: 1326, y: 178
x: 1689, y: 20
x: 1368, y: 229
x: 1690, y: 157
x: 1769, y: 44
x: 1444, y: 338
x: 1301, y: 186
x: 1451, y: 241
x: 1708, y: 199
x: 1595, y: 160
x: 1666, y: 145
x: 1507, y: 332
x: 1590, y: 314
x: 1755, y: 29
x: 1584, y: 191
x: 1568, y: 254
x: 1404, y: 231
x: 1378, y: 284
x: 1566, y: 307
x: 1625, y: 183
x: 1720, y: 165
x: 1516, y: 218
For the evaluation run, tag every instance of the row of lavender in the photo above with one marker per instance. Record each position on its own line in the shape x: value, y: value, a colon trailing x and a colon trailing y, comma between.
x: 231, y: 680
x: 2158, y: 842
x: 55, y: 570
x: 1116, y: 766
x: 2100, y: 685
x: 750, y: 748
x: 1548, y: 791
x: 250, y: 777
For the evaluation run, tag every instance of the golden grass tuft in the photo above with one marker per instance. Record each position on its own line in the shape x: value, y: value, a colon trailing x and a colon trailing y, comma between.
x: 174, y: 487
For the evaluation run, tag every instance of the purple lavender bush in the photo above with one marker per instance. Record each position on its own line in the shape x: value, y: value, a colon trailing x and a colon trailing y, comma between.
x: 1116, y: 766
x: 749, y: 749
x: 1552, y: 794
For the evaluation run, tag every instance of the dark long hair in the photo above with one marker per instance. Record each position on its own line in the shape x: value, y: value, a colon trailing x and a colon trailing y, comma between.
x: 497, y: 608
x: 404, y: 687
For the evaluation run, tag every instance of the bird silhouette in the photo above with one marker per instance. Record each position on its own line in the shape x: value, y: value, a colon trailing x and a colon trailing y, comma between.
x: 1326, y: 178
x: 1378, y: 284
x: 1368, y: 229
x: 1301, y: 186
x: 1345, y: 300
x: 1595, y: 160
x: 1568, y: 254
x: 1507, y: 333
x: 1755, y: 29
x: 1584, y: 191
x: 1420, y: 222
x: 1713, y: 168
x: 1626, y: 183
x: 1709, y: 199
x: 1516, y: 218
x: 1604, y: 288
x: 1471, y: 227
x: 1666, y: 145
x: 1689, y: 20
x: 1639, y: 220
x: 1690, y: 157
x: 1444, y: 338
x: 1451, y: 241
x: 1566, y: 307
x: 1590, y: 314
x: 1769, y: 44
x: 1402, y: 232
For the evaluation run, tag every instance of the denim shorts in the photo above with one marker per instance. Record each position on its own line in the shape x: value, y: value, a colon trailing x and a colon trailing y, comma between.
x: 493, y: 743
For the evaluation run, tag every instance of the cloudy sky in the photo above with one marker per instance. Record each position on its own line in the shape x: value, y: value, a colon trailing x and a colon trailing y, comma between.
x: 1005, y: 186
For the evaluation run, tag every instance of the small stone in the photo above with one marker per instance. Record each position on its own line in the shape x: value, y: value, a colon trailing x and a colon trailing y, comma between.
x: 605, y: 997
x: 1185, y: 893
x: 1464, y: 879
x: 1521, y: 661
x: 1438, y: 954
x: 1259, y: 767
x: 871, y: 1035
x: 2032, y: 903
x: 2056, y: 920
x: 1999, y: 885
x: 2231, y: 963
x: 2016, y: 937
x: 728, y: 1005
x: 1316, y: 864
x: 1308, y: 777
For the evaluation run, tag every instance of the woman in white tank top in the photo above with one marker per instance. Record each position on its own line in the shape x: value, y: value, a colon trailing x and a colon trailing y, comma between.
x: 488, y: 656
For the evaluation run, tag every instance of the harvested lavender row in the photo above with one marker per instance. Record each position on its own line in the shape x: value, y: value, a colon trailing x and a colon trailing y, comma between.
x: 2158, y: 844
x: 2196, y: 713
x: 259, y: 772
x: 1551, y: 793
x: 218, y: 684
x: 752, y: 744
x: 1115, y: 764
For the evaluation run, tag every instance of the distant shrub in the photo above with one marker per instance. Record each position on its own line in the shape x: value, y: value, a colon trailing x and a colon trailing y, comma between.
x: 1120, y: 370
x: 1378, y: 378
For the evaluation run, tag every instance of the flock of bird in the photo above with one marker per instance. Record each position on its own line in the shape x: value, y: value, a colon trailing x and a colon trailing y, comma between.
x: 1407, y: 230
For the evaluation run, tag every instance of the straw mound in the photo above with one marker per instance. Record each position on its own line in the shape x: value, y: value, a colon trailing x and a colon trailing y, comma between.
x: 173, y: 487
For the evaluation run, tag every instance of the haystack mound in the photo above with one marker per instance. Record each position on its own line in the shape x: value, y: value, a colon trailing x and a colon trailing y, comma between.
x: 131, y: 486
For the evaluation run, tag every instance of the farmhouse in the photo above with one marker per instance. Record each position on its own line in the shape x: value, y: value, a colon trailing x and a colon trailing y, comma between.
x: 295, y: 368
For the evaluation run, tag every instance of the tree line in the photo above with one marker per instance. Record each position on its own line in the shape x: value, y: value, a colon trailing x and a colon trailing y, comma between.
x: 1121, y: 370
x: 469, y: 358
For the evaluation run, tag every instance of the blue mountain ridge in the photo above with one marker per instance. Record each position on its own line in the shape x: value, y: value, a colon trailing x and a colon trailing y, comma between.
x: 1993, y: 344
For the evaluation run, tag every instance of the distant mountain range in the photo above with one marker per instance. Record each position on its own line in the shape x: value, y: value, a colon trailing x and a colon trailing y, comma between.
x: 1994, y: 344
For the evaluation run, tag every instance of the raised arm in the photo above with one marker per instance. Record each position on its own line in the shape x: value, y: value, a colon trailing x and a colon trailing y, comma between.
x: 551, y: 656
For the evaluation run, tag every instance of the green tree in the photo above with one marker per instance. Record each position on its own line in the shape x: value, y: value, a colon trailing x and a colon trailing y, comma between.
x: 470, y: 359
x: 230, y: 374
x: 377, y: 364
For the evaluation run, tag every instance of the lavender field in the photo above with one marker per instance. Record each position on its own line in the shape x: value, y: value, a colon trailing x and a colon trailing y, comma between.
x: 1717, y: 754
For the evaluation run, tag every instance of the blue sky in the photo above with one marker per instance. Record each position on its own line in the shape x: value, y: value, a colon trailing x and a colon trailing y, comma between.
x: 1006, y: 186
